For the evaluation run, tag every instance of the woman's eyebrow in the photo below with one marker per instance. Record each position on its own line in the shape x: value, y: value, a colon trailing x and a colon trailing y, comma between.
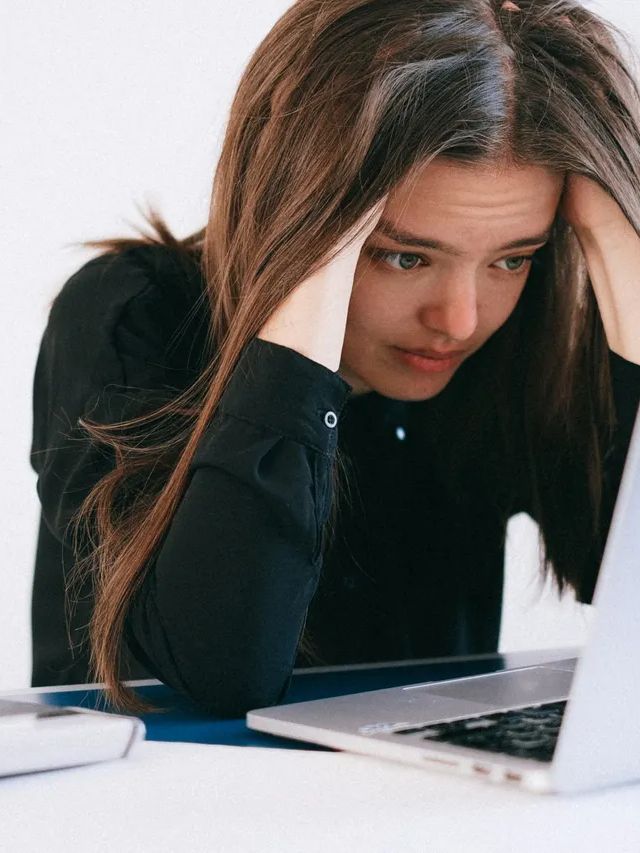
x: 407, y: 239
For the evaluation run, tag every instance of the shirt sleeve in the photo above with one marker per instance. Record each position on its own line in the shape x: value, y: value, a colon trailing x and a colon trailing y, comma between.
x: 222, y: 607
x: 625, y: 380
x: 225, y: 595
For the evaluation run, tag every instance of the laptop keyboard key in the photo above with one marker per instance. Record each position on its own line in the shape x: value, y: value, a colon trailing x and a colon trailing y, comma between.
x: 530, y: 732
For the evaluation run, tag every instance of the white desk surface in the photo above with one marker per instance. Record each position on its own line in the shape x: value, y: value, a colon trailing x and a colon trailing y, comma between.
x: 192, y: 797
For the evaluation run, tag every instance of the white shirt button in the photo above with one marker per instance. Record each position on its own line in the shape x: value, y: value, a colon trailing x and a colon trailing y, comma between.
x: 330, y: 419
x: 400, y: 433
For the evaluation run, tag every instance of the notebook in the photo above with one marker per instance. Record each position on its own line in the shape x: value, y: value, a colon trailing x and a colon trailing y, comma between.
x: 562, y: 727
x: 36, y: 737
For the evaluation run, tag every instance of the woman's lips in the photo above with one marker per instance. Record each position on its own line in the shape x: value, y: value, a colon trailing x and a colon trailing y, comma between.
x: 434, y: 353
x: 436, y: 363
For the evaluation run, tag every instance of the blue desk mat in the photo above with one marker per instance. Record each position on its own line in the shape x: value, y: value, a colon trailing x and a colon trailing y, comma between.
x: 180, y: 720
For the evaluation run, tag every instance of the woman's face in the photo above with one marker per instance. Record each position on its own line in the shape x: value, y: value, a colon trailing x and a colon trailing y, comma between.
x: 410, y: 294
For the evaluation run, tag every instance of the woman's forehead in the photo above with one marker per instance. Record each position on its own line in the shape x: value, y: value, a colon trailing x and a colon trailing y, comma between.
x: 474, y: 199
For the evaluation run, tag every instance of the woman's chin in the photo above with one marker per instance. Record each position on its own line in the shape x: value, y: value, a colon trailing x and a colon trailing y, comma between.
x: 399, y: 385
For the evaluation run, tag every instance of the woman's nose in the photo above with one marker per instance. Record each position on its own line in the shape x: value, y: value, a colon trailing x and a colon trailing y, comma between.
x: 453, y: 312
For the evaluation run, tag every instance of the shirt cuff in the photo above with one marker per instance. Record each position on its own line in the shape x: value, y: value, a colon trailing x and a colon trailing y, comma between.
x: 630, y: 368
x: 625, y: 382
x: 275, y: 386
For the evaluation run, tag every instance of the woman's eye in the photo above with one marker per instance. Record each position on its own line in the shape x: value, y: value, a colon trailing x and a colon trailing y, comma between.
x: 521, y: 261
x: 407, y: 260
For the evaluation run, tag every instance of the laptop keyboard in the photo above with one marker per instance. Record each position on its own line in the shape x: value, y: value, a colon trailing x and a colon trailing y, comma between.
x: 529, y: 732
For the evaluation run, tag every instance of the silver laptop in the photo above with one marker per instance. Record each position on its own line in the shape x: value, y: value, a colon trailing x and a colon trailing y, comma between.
x: 564, y: 727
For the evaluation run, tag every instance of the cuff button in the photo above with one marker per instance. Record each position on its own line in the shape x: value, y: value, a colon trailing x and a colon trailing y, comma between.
x: 330, y: 419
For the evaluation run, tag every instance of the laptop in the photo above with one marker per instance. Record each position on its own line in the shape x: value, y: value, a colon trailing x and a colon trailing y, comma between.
x: 564, y: 727
x: 36, y: 737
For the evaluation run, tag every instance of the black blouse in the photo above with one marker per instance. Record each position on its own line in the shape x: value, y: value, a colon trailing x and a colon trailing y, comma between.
x: 244, y: 565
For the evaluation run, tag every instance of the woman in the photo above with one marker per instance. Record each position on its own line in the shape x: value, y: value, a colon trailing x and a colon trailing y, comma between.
x: 410, y: 316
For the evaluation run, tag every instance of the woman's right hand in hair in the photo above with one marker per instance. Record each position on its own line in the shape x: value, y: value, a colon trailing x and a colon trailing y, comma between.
x: 313, y: 317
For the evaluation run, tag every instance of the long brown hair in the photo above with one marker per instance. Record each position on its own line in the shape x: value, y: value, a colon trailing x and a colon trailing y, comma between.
x: 341, y: 100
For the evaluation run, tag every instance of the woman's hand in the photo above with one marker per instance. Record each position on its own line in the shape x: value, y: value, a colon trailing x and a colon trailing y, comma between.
x: 611, y: 247
x: 313, y: 318
x: 587, y: 206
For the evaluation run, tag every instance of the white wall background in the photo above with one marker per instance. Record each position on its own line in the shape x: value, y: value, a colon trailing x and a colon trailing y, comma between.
x: 105, y: 105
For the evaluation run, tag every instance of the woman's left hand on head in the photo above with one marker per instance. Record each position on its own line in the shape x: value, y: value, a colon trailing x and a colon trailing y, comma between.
x: 587, y: 207
x: 611, y: 247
